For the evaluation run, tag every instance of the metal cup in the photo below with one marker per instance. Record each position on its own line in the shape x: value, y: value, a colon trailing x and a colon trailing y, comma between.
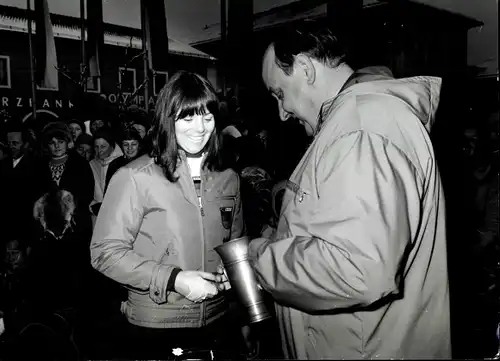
x: 234, y: 255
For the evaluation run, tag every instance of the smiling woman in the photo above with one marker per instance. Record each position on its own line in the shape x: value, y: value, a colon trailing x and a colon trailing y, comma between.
x: 161, y: 218
x: 65, y: 169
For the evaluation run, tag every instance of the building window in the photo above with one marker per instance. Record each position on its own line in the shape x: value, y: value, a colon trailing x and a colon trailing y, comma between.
x: 49, y: 89
x: 127, y: 80
x: 160, y: 78
x: 4, y: 71
x: 94, y: 84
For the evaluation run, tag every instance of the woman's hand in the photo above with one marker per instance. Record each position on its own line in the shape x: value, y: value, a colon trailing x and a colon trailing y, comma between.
x: 221, y: 278
x: 196, y: 286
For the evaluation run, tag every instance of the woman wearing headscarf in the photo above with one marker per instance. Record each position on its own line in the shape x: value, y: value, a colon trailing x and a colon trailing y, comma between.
x: 161, y: 218
x: 105, y: 150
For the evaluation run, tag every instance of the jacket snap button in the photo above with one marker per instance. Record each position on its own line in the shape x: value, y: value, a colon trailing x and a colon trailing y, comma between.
x: 157, y: 293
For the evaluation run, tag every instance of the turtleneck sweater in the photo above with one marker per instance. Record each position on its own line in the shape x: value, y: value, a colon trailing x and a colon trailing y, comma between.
x: 57, y: 166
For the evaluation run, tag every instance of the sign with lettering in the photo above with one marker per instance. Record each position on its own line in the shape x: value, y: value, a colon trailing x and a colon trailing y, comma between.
x: 42, y: 103
x: 57, y: 104
x: 125, y: 98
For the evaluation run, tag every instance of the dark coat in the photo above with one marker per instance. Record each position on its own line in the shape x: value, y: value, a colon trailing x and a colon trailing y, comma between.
x: 113, y: 167
x: 19, y: 190
x: 77, y: 179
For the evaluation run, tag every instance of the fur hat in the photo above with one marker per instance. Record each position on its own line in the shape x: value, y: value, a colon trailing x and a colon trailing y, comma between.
x: 54, y: 211
x: 59, y: 130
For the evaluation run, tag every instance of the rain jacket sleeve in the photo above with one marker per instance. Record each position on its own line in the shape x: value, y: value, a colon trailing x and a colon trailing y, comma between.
x: 112, y: 251
x: 358, y: 225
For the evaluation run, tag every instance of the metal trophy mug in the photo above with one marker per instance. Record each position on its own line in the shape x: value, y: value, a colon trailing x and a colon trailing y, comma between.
x: 234, y: 255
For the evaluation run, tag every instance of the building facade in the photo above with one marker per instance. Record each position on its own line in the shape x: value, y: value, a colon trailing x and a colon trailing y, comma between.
x: 122, y: 80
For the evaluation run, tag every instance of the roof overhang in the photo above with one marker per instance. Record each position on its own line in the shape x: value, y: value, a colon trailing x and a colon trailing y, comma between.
x: 20, y: 24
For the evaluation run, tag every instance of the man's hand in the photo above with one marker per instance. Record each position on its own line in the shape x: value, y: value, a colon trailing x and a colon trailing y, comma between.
x: 222, y: 280
x: 196, y: 286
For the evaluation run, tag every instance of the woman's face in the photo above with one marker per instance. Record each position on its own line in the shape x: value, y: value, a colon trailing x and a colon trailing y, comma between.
x: 58, y: 148
x: 102, y: 149
x: 95, y: 125
x: 193, y: 132
x: 85, y: 150
x: 130, y: 148
x: 76, y: 130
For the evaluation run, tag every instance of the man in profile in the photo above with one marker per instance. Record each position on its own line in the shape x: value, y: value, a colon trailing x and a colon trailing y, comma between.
x: 358, y: 264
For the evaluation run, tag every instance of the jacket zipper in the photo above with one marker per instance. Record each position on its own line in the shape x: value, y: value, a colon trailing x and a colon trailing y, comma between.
x: 202, y: 214
x: 202, y: 228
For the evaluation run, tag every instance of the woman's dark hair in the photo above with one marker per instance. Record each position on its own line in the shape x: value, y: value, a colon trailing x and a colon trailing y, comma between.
x: 185, y: 94
x: 131, y: 134
x: 105, y: 133
x: 80, y: 123
x: 307, y: 37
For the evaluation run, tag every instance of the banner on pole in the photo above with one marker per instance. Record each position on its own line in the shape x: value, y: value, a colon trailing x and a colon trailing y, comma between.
x: 46, y: 73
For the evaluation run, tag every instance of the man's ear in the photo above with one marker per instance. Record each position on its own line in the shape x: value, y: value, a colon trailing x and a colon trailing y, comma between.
x: 305, y: 65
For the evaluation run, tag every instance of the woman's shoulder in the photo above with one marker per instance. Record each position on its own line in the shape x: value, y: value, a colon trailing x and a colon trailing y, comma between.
x: 228, y: 173
x: 138, y: 164
x: 227, y: 178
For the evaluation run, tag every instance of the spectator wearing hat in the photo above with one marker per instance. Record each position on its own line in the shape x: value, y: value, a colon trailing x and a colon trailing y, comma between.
x: 84, y: 146
x: 65, y: 169
x: 106, y: 150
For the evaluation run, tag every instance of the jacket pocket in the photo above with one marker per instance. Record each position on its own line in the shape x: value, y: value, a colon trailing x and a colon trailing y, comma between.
x: 226, y: 209
x: 296, y: 193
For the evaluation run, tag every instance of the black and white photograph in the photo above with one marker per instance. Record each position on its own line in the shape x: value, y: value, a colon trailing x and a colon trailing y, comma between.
x: 249, y: 180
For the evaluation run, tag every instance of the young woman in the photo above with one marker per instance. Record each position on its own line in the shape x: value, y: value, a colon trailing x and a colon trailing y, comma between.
x: 132, y: 148
x: 85, y: 146
x: 105, y: 151
x: 65, y: 169
x: 160, y: 220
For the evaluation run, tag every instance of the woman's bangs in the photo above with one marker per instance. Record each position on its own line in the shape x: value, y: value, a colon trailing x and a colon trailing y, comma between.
x: 200, y: 105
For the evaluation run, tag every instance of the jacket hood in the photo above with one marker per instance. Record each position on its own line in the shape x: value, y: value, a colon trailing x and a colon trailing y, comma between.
x: 420, y: 93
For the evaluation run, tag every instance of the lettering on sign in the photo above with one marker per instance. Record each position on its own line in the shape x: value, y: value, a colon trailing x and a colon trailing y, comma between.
x: 21, y: 102
x: 125, y: 98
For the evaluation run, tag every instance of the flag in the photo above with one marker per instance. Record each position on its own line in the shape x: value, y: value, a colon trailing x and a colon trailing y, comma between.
x: 154, y: 27
x: 239, y: 40
x: 95, y: 37
x: 46, y: 74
